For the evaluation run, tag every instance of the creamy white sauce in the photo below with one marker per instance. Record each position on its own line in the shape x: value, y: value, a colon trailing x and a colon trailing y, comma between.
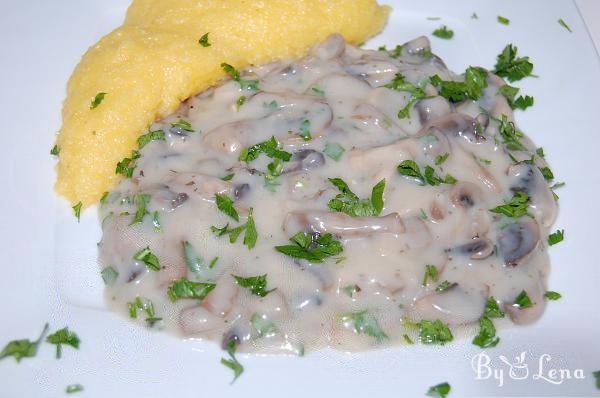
x: 339, y: 90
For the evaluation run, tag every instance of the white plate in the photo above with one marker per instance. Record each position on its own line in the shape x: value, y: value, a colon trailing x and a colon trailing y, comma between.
x: 49, y: 272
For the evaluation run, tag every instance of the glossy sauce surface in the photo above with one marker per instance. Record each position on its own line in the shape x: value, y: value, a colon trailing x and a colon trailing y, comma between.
x: 332, y: 112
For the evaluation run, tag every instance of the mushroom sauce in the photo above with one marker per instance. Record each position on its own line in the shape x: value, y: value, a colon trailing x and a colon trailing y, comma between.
x: 344, y: 199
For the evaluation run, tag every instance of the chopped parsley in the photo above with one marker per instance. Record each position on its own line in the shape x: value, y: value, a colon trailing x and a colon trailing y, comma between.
x: 156, y: 222
x: 63, y: 336
x: 144, y: 305
x: 409, y: 168
x: 109, y: 275
x: 431, y: 272
x: 73, y: 388
x: 127, y: 165
x: 235, y: 75
x: 347, y: 202
x: 312, y: 247
x: 23, y: 348
x: 523, y: 300
x: 269, y: 148
x: 144, y: 139
x: 417, y: 93
x: 487, y: 334
x: 203, y: 41
x: 232, y: 363
x: 550, y: 295
x: 228, y: 177
x: 510, y: 66
x: 511, y: 137
x: 225, y: 204
x: 562, y: 23
x: 503, y: 20
x: 364, y: 322
x: 240, y: 101
x: 192, y: 261
x: 250, y: 235
x: 441, y: 158
x: 55, y: 150
x: 318, y: 91
x: 516, y: 207
x: 439, y: 391
x: 510, y: 92
x: 141, y: 201
x: 472, y: 87
x: 186, y: 289
x: 444, y: 285
x: 596, y: 374
x: 262, y: 325
x: 77, y: 210
x: 146, y: 256
x: 334, y: 151
x: 407, y: 339
x: 305, y: 130
x: 256, y: 284
x: 350, y: 290
x: 556, y: 237
x: 434, y: 332
x: 97, y: 100
x: 443, y: 32
x: 183, y: 125
x: 395, y: 53
x: 492, y: 309
x: 547, y: 173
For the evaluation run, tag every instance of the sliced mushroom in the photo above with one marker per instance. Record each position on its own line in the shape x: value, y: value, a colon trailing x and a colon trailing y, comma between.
x: 332, y: 47
x: 518, y: 240
x: 465, y: 195
x: 457, y: 125
x: 432, y: 108
x: 305, y: 160
x: 453, y: 306
x: 341, y: 224
x: 199, y: 185
x: 417, y: 46
x: 477, y: 249
x: 373, y: 72
x: 528, y: 178
x: 198, y: 320
x: 220, y: 300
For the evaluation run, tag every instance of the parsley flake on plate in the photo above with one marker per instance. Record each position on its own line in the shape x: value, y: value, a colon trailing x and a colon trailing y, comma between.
x: 443, y: 32
x: 63, y: 336
x: 23, y: 348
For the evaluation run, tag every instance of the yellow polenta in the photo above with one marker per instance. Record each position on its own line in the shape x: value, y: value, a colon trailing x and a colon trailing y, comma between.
x: 154, y: 61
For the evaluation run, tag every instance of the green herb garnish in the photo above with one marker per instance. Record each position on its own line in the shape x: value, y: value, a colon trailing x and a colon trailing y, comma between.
x: 556, y: 237
x: 510, y: 92
x: 417, y: 93
x: 183, y: 125
x: 347, y: 202
x: 314, y: 248
x: 141, y: 201
x: 146, y: 256
x: 365, y: 322
x: 240, y: 101
x: 73, y: 388
x: 77, y: 210
x: 262, y: 325
x: 443, y: 32
x: 127, y: 165
x: 225, y: 204
x: 256, y: 284
x: 269, y: 148
x: 334, y: 151
x: 503, y: 21
x: 516, y: 207
x: 550, y: 295
x: 487, y: 334
x: 441, y: 158
x: 186, y: 289
x: 492, y: 309
x: 444, y: 285
x: 63, y: 336
x: 204, y: 40
x: 305, y: 130
x: 55, y: 150
x: 24, y: 348
x: 510, y: 66
x: 523, y: 300
x: 409, y: 168
x: 441, y: 390
x: 232, y: 363
x: 250, y: 236
x: 431, y: 272
x: 97, y: 100
x: 144, y: 139
x: 472, y: 87
x: 562, y: 23
x: 434, y: 332
x: 109, y: 275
